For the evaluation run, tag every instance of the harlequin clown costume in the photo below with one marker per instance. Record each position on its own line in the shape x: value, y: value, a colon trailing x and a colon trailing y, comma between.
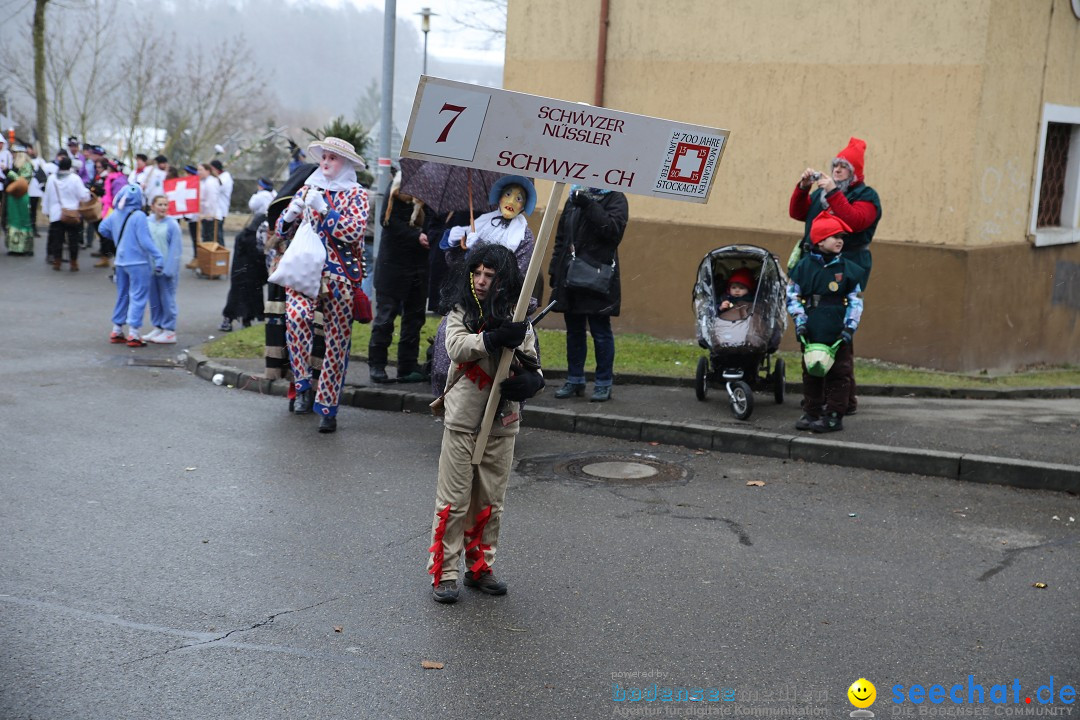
x: 335, y: 204
x: 469, y: 498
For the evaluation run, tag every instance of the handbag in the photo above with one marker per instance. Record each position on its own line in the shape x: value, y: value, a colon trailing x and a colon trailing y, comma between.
x: 17, y: 187
x: 583, y: 275
x: 302, y: 264
x: 90, y: 211
x: 67, y: 215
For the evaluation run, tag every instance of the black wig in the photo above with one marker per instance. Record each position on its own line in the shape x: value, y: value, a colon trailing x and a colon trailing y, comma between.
x: 498, y: 306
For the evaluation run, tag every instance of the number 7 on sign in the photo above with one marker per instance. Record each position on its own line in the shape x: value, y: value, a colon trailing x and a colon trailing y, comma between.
x: 446, y: 130
x: 446, y: 123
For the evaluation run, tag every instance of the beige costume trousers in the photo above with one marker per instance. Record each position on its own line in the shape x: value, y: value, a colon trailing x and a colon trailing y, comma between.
x: 468, y: 504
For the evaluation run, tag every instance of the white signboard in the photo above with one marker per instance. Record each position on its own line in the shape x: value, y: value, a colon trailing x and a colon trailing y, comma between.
x: 520, y: 134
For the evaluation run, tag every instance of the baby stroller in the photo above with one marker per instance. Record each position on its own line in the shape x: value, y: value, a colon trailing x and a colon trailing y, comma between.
x: 741, y: 339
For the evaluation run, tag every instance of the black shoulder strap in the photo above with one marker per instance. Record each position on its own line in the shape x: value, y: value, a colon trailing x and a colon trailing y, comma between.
x: 122, y: 226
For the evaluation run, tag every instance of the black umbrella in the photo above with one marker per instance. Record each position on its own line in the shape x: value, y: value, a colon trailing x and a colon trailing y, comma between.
x: 445, y: 188
x: 288, y: 189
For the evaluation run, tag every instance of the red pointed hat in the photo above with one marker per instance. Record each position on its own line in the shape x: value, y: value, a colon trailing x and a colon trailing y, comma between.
x: 744, y: 277
x: 825, y: 226
x: 854, y: 153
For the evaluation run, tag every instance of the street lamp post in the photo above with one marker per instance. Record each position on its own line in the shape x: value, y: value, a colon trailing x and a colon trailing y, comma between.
x: 425, y: 26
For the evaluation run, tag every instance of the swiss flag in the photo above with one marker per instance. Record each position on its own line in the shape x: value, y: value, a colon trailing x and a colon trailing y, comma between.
x: 183, y: 194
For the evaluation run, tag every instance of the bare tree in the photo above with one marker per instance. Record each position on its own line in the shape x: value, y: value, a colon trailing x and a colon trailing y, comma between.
x: 487, y: 16
x: 143, y: 88
x: 78, y: 68
x: 218, y: 93
x: 41, y: 123
x: 99, y: 75
x: 368, y: 107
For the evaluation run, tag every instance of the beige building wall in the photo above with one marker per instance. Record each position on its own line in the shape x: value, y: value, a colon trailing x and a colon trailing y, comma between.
x: 948, y: 97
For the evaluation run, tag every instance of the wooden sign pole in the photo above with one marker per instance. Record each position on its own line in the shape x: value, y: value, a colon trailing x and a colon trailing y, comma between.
x: 539, y: 250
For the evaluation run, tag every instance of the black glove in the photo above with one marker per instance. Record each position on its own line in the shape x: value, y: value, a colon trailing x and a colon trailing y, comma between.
x: 522, y: 386
x: 509, y: 335
x: 800, y: 332
x: 845, y: 335
x: 580, y: 198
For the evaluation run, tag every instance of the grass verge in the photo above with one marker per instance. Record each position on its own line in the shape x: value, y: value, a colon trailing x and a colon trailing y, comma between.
x: 645, y: 355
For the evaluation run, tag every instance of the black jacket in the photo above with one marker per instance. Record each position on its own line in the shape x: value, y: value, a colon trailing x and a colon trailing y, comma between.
x: 595, y: 230
x: 402, y: 260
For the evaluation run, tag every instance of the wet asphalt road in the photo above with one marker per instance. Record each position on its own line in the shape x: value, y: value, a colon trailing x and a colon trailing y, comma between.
x: 172, y: 549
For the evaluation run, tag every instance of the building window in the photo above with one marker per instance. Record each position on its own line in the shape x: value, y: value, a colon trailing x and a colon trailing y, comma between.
x: 1055, y: 216
x: 1055, y: 160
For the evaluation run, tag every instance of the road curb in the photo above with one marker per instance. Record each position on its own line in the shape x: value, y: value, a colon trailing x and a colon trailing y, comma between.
x: 950, y: 465
x: 795, y: 387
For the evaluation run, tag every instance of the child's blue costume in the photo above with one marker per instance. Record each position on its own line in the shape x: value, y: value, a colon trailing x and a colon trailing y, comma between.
x: 137, y: 256
x: 163, y: 309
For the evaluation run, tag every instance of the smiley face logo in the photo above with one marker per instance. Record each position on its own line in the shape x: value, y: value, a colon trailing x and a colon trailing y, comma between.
x: 862, y: 693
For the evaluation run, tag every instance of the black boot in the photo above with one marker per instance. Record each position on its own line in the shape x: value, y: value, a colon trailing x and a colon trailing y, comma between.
x: 827, y: 423
x: 305, y: 402
x: 378, y: 374
x: 327, y: 424
x: 568, y: 389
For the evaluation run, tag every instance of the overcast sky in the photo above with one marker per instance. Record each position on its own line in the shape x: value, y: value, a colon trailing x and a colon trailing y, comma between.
x: 447, y: 39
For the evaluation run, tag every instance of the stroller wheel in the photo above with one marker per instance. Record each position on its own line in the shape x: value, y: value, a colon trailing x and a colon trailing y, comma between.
x: 701, y: 379
x: 778, y: 381
x: 742, y: 399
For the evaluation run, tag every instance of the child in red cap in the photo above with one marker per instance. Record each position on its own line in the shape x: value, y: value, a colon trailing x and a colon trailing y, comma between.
x: 825, y: 300
x: 739, y: 286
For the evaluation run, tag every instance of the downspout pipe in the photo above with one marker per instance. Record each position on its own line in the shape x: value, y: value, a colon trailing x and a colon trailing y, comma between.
x: 601, y: 55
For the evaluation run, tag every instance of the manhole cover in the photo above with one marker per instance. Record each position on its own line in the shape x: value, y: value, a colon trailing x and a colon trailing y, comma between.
x: 619, y: 470
x: 607, y: 468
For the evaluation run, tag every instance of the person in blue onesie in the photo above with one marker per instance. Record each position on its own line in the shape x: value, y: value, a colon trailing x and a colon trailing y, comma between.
x: 137, y: 258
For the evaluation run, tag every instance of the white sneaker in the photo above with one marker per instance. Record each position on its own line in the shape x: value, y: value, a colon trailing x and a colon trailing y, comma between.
x: 152, y: 335
x: 165, y: 337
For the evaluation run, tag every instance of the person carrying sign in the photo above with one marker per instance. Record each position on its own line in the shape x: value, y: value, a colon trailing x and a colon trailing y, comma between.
x: 482, y: 292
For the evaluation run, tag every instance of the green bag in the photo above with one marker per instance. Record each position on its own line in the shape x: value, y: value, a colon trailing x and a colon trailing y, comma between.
x: 819, y: 357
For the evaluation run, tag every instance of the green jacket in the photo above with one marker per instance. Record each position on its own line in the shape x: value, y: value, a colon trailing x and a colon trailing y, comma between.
x: 825, y: 295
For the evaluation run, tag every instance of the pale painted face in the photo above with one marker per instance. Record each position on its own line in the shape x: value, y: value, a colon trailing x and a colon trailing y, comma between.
x: 332, y: 164
x: 160, y: 208
x: 512, y: 201
x: 832, y: 244
x: 737, y: 290
x: 483, y: 279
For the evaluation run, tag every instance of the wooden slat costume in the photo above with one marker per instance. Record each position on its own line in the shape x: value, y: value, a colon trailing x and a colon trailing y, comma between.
x: 469, y: 498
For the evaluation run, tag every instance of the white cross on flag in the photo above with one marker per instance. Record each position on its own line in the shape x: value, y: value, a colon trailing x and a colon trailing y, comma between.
x: 183, y: 194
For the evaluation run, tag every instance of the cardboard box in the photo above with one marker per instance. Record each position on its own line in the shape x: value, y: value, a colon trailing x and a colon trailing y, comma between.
x: 213, y: 260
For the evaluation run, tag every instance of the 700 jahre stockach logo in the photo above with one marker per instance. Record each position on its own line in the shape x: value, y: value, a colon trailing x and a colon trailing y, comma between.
x: 689, y: 164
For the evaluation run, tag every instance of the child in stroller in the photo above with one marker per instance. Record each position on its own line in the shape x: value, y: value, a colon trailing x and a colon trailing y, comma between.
x: 742, y: 327
x: 739, y: 286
